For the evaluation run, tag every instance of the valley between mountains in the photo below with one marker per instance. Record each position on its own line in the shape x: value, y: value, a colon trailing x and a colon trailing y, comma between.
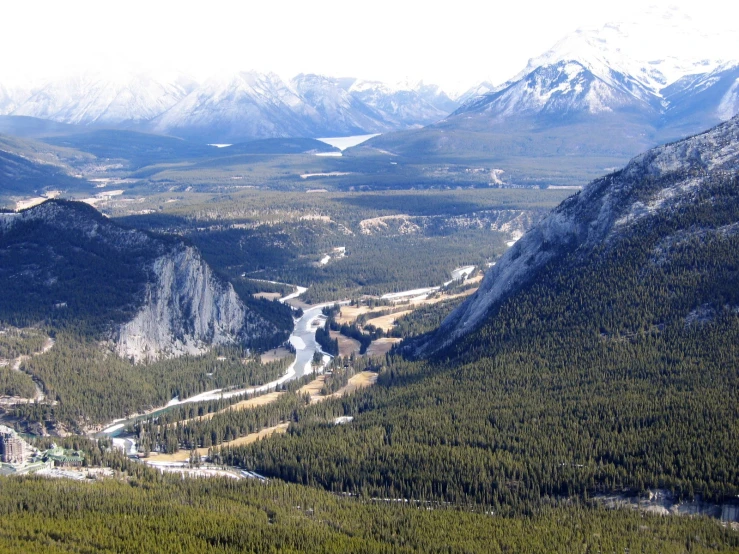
x: 293, y: 311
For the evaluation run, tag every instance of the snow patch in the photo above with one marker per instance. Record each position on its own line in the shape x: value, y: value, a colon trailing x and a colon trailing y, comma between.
x: 729, y: 105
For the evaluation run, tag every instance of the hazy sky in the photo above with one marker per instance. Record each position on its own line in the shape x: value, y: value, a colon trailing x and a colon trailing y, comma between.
x: 454, y: 43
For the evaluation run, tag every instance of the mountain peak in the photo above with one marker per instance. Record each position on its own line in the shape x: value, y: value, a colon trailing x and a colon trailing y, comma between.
x: 656, y: 49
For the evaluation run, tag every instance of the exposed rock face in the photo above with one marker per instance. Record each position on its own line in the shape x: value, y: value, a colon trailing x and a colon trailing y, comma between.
x: 653, y: 183
x: 186, y: 310
x: 156, y: 295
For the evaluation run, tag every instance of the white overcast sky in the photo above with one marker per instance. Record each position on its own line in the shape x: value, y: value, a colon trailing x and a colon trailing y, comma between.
x: 454, y: 43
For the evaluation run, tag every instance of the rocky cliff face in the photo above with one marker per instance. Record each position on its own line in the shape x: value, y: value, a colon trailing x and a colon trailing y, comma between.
x: 186, y: 310
x: 152, y: 296
x: 652, y: 185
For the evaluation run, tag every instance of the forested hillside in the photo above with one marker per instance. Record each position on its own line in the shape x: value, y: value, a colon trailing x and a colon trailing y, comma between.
x: 153, y: 513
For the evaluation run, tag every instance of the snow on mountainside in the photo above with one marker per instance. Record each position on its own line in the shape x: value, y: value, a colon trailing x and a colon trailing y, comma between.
x: 656, y: 49
x: 478, y: 90
x: 655, y: 184
x: 338, y: 111
x: 403, y: 105
x: 434, y: 96
x: 561, y: 89
x: 11, y: 98
x: 631, y: 66
x: 248, y: 104
x: 230, y: 107
x: 96, y: 99
x: 710, y: 97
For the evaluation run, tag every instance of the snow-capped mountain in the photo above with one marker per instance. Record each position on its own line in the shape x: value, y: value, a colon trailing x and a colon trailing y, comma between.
x: 563, y: 89
x: 235, y: 107
x: 96, y: 99
x: 230, y: 107
x: 339, y: 111
x: 11, y: 98
x: 404, y: 105
x: 654, y: 67
x: 478, y: 90
x: 703, y: 99
x: 436, y: 97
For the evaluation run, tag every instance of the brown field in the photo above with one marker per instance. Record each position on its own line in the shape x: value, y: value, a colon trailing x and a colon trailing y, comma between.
x: 243, y: 405
x: 350, y: 313
x: 346, y: 344
x: 361, y: 380
x: 184, y: 455
x: 387, y: 322
x: 254, y: 437
x: 313, y: 388
x: 356, y: 382
x: 380, y: 347
x: 274, y: 355
x: 268, y: 295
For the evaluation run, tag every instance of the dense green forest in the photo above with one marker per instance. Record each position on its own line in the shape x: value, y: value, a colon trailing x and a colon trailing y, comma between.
x: 15, y: 383
x: 20, y: 342
x: 423, y: 319
x: 59, y: 274
x: 155, y: 513
x: 92, y: 386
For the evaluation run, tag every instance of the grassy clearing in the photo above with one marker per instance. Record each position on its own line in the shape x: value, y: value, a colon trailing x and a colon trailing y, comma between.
x: 387, y: 322
x: 184, y: 455
x: 356, y: 382
x: 347, y: 346
x: 275, y: 355
x: 380, y: 347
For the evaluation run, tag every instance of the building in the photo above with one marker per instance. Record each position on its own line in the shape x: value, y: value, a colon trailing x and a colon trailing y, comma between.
x: 12, y: 447
x: 65, y: 458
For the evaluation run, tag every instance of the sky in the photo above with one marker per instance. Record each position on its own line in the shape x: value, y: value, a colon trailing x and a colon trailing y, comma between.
x: 453, y: 43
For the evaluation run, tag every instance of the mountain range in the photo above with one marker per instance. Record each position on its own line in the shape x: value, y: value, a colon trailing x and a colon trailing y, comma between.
x: 590, y: 103
x: 230, y: 107
x: 608, y: 92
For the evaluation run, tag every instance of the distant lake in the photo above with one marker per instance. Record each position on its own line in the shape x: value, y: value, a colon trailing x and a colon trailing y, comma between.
x: 342, y: 143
